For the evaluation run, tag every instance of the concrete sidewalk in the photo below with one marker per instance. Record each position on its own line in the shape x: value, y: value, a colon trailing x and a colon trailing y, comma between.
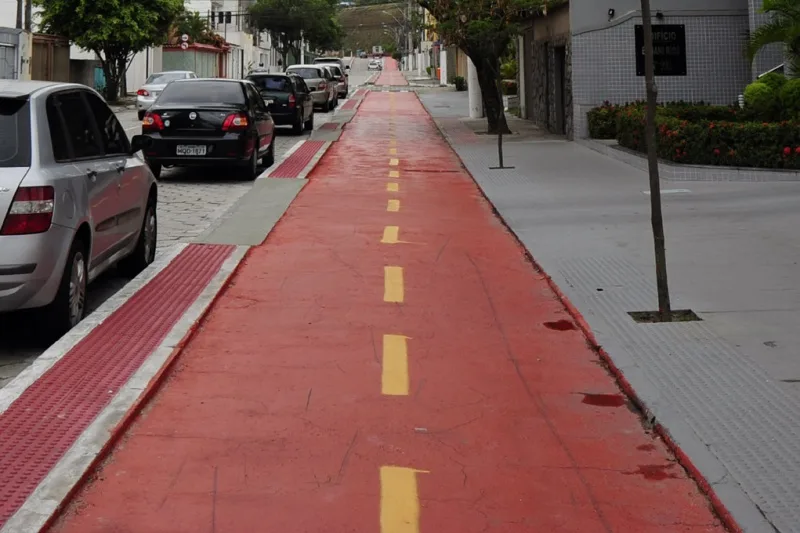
x: 727, y: 389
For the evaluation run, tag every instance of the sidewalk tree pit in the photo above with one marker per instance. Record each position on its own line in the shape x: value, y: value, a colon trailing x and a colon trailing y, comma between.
x: 763, y: 134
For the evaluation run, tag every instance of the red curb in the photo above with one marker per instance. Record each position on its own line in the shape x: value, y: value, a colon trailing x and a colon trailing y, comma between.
x: 295, y: 163
x: 718, y: 507
x: 133, y: 412
x: 350, y: 104
x: 49, y: 417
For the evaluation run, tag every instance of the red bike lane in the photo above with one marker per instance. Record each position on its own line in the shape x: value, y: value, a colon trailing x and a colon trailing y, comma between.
x: 389, y: 360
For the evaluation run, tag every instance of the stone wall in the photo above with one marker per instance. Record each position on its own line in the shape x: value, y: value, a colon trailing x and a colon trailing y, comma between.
x: 542, y: 83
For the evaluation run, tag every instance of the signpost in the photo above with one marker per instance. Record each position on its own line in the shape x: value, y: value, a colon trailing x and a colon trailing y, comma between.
x: 669, y: 49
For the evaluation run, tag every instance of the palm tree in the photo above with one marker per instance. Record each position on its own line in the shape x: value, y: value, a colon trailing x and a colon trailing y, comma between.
x: 784, y: 28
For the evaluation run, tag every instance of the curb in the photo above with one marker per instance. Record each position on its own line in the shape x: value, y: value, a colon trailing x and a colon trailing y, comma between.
x: 719, y: 508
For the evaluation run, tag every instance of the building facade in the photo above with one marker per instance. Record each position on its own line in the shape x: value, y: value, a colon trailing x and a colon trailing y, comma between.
x: 585, y: 52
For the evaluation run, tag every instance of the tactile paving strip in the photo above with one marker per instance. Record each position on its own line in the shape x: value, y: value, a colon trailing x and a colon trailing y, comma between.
x: 329, y: 126
x: 350, y: 104
x: 295, y: 163
x: 46, y: 420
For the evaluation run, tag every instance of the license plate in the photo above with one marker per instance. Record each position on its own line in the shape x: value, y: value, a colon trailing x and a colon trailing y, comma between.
x: 154, y: 93
x: 190, y: 149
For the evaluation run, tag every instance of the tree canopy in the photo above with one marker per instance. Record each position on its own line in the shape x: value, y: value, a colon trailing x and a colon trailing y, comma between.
x: 784, y: 28
x: 290, y: 20
x: 113, y: 29
x: 484, y: 30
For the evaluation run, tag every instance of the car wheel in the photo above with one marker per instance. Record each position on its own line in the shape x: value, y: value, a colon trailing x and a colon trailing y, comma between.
x: 310, y: 122
x: 155, y: 168
x: 269, y: 159
x: 142, y: 114
x: 297, y: 127
x: 145, y: 252
x: 250, y: 172
x: 69, y: 306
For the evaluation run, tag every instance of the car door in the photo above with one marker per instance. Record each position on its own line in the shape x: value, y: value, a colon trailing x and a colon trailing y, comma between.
x: 133, y: 184
x: 303, y: 97
x: 102, y: 178
x: 261, y: 114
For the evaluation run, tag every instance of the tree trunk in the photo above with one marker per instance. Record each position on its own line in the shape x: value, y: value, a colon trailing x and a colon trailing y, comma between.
x: 110, y: 70
x: 488, y: 72
x: 122, y: 68
x: 656, y: 218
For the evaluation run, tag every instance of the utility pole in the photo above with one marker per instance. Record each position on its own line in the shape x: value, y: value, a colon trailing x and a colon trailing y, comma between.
x: 20, y: 10
x: 28, y: 14
x: 656, y: 217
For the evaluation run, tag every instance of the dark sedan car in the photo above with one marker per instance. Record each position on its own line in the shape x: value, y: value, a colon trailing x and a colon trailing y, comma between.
x: 291, y: 103
x: 207, y: 122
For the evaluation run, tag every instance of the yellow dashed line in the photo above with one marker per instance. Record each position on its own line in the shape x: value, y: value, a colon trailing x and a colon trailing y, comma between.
x: 391, y: 235
x: 393, y: 187
x: 394, y: 162
x: 399, y: 500
x: 394, y: 378
x: 392, y: 151
x: 393, y: 206
x: 393, y: 290
x: 394, y: 173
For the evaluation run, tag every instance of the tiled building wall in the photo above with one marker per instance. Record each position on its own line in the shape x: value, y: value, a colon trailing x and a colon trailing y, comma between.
x: 604, y: 64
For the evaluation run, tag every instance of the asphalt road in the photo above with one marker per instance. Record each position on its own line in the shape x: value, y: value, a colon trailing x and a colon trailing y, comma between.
x: 190, y: 200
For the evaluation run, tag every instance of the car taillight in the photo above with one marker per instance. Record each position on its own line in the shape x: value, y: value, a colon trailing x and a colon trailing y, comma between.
x: 31, y: 211
x: 142, y: 92
x: 236, y: 121
x: 292, y: 100
x: 152, y: 121
x: 323, y: 86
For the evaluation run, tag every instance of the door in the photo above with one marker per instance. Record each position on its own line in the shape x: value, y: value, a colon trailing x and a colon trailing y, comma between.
x: 8, y: 62
x: 101, y: 178
x: 559, y: 77
x: 132, y: 186
x: 303, y: 98
x: 263, y: 120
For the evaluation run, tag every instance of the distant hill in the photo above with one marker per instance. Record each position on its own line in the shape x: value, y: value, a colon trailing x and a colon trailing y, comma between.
x: 363, y: 24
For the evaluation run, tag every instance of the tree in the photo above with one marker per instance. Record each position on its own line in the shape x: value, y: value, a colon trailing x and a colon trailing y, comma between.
x: 289, y: 21
x: 784, y: 28
x: 115, y: 30
x: 194, y: 25
x: 484, y: 30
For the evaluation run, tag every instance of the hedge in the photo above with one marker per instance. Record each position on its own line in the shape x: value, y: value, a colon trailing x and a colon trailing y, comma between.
x: 740, y: 144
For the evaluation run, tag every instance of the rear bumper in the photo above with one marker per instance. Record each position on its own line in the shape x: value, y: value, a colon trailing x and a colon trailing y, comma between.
x: 143, y: 103
x: 31, y: 267
x: 320, y: 97
x: 284, y: 119
x: 231, y: 149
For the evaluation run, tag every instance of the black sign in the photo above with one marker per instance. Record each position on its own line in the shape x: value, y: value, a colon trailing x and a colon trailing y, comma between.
x: 669, y: 49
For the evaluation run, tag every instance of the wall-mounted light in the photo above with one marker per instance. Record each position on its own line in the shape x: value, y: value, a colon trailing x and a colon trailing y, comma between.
x: 611, y: 13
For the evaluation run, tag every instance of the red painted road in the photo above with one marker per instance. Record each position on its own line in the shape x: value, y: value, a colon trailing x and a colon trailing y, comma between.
x: 273, y: 419
x: 390, y: 74
x: 46, y: 420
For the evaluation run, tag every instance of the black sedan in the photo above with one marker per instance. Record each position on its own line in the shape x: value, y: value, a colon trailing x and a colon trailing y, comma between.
x: 208, y: 122
x: 291, y: 103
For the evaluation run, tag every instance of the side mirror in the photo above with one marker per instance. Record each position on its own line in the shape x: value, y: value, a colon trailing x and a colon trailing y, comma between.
x: 140, y: 142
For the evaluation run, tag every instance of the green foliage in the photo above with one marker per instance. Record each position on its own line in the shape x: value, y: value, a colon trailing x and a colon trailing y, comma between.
x: 509, y: 87
x: 773, y: 79
x: 460, y: 83
x: 603, y: 121
x: 196, y: 27
x: 723, y: 143
x: 782, y: 27
x: 509, y: 69
x: 762, y: 99
x: 397, y: 56
x: 429, y: 69
x: 790, y: 98
x: 289, y: 20
x: 113, y: 29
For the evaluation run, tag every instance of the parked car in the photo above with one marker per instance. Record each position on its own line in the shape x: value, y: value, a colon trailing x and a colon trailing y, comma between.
x: 154, y: 85
x: 320, y: 82
x: 340, y: 78
x: 74, y: 199
x: 332, y: 60
x: 374, y: 64
x: 291, y: 99
x: 203, y: 122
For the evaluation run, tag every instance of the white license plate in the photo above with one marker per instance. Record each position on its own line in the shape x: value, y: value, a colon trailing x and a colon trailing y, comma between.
x: 154, y: 94
x: 190, y: 149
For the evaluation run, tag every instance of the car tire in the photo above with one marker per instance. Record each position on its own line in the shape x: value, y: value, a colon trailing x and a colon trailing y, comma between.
x: 297, y: 127
x: 145, y: 252
x: 142, y: 114
x: 310, y: 122
x: 326, y: 106
x: 269, y: 159
x: 69, y: 306
x: 155, y: 168
x: 250, y: 171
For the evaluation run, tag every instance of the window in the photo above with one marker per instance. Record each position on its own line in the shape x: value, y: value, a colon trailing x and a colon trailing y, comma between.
x: 202, y: 92
x: 271, y: 83
x: 306, y: 73
x: 79, y: 123
x: 58, y: 133
x: 15, y: 133
x: 300, y: 85
x: 255, y: 99
x: 162, y: 78
x: 113, y: 137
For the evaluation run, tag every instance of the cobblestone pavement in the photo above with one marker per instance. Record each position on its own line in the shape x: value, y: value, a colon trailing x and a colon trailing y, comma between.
x: 190, y: 200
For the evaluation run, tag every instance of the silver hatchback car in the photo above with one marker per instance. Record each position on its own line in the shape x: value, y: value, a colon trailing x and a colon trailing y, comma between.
x: 147, y: 95
x: 74, y: 198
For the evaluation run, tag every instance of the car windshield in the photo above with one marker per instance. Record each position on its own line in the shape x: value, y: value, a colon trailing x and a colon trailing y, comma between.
x: 272, y: 83
x: 164, y: 78
x: 15, y: 146
x: 203, y: 92
x: 335, y: 70
x: 306, y: 73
